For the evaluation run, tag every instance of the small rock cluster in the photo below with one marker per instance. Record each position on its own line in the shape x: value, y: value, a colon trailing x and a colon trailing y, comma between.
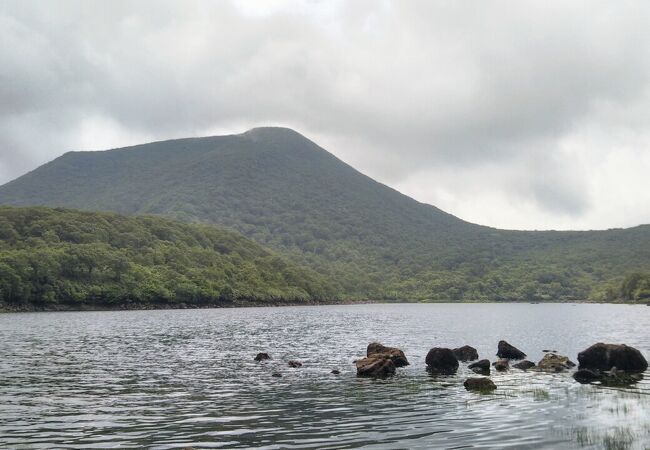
x: 608, y: 364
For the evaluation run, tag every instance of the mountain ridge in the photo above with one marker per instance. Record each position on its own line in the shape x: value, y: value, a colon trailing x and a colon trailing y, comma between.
x: 279, y: 188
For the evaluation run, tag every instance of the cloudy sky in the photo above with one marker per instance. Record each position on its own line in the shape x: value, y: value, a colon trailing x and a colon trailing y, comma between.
x: 516, y: 114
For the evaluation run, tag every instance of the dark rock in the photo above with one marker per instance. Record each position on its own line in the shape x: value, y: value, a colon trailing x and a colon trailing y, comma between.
x: 294, y: 364
x: 378, y: 365
x: 276, y: 375
x: 479, y: 385
x: 483, y: 364
x: 605, y: 356
x: 441, y: 360
x: 335, y: 372
x: 501, y: 364
x: 508, y: 351
x: 262, y: 357
x: 524, y: 365
x: 480, y: 371
x: 555, y: 363
x: 586, y: 376
x: 549, y: 351
x: 465, y: 353
x: 619, y: 378
x: 397, y: 355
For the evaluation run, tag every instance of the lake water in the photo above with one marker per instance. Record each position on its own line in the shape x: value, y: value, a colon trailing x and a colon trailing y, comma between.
x: 180, y: 378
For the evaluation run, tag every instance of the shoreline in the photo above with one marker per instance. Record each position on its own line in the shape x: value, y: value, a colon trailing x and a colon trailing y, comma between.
x: 30, y: 308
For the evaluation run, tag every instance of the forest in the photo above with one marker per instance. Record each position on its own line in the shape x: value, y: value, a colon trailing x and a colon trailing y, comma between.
x: 59, y: 258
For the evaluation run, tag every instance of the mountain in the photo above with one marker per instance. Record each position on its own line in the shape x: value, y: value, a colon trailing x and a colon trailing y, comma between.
x: 58, y: 258
x: 282, y: 190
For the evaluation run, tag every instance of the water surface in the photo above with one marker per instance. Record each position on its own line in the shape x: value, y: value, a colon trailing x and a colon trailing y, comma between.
x: 179, y: 378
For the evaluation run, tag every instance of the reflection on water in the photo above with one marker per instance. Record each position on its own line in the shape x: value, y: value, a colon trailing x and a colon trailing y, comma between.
x: 172, y: 379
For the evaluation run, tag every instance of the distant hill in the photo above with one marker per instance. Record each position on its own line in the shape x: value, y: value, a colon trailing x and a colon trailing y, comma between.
x: 57, y: 258
x: 284, y: 191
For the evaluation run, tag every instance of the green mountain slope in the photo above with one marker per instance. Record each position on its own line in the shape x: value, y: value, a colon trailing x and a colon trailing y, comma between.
x: 53, y: 258
x: 282, y: 190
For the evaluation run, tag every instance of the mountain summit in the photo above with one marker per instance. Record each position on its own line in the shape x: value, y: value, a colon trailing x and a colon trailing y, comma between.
x: 283, y: 190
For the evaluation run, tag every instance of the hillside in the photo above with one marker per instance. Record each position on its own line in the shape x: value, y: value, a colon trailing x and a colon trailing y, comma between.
x: 282, y: 190
x: 58, y: 258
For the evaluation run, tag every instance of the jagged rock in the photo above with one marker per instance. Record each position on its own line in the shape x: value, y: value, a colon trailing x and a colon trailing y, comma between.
x: 501, y: 364
x: 378, y: 365
x: 441, y: 360
x: 552, y: 362
x: 465, y: 353
x: 479, y: 385
x: 294, y: 364
x: 397, y: 355
x: 507, y: 351
x: 605, y: 356
x: 335, y: 372
x: 262, y: 357
x: 524, y: 365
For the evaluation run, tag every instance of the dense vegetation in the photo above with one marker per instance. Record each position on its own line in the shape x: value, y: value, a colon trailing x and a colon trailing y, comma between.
x: 283, y: 191
x: 56, y: 258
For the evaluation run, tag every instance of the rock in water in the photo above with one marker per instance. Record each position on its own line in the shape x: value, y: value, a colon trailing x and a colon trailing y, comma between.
x: 465, y: 353
x: 501, y: 364
x: 397, y: 355
x: 335, y: 372
x: 586, y: 376
x: 479, y: 385
x: 552, y: 362
x: 276, y: 375
x: 376, y: 366
x: 262, y: 357
x: 481, y: 367
x: 508, y: 351
x: 605, y: 356
x: 524, y: 365
x: 294, y: 364
x: 441, y: 360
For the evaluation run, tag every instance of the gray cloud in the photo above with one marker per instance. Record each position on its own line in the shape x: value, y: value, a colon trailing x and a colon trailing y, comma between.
x: 509, y: 113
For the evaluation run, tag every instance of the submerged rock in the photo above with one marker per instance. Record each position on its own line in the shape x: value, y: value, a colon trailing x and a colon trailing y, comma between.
x: 397, y: 355
x: 524, y: 365
x: 276, y: 375
x: 507, y: 351
x: 465, y: 353
x: 441, y: 360
x: 294, y: 364
x: 262, y: 357
x: 375, y: 366
x: 479, y: 385
x: 605, y: 356
x: 501, y: 364
x: 335, y: 372
x: 552, y: 362
x: 481, y: 367
x: 586, y: 376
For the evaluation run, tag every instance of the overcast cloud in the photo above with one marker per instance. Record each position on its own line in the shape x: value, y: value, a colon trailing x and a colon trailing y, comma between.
x: 517, y: 114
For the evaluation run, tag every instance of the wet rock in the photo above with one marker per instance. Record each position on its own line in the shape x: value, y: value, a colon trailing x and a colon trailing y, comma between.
x: 619, y: 378
x: 294, y: 364
x: 549, y: 351
x: 501, y: 364
x: 507, y: 351
x: 262, y: 357
x: 586, y: 376
x: 524, y: 365
x: 552, y: 362
x: 605, y: 356
x: 441, y: 360
x: 376, y: 366
x: 397, y: 355
x: 276, y: 375
x: 465, y: 353
x: 481, y: 367
x: 479, y: 385
x: 335, y: 372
